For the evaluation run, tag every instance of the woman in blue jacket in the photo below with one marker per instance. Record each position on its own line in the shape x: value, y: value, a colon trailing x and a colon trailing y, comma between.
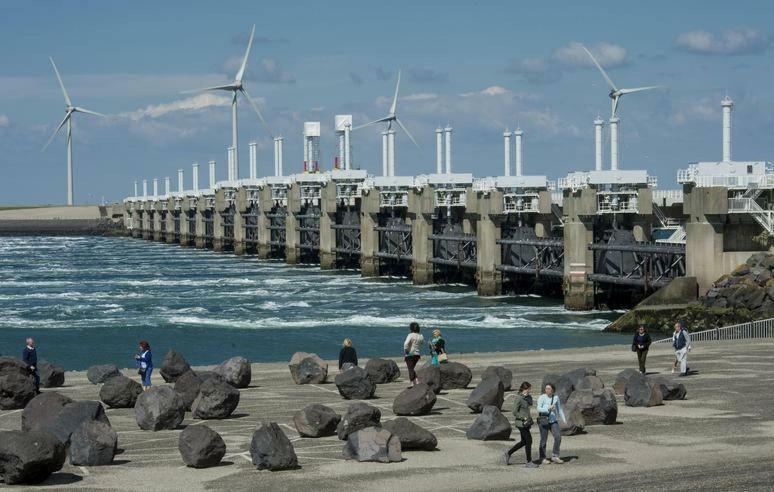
x: 145, y: 361
x: 550, y: 410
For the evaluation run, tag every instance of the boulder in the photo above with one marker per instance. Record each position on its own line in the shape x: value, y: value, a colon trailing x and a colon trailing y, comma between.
x: 216, y: 400
x: 72, y: 416
x: 622, y: 378
x: 489, y: 392
x: 373, y: 444
x: 562, y: 384
x: 577, y: 375
x: 272, y: 450
x: 382, y: 371
x: 670, y: 389
x: 51, y: 376
x: 101, y: 373
x: 359, y: 415
x: 200, y: 446
x: 504, y: 375
x: 42, y: 410
x: 308, y: 368
x: 417, y: 400
x: 590, y: 383
x: 187, y: 386
x: 639, y: 392
x: 431, y: 376
x: 159, y: 408
x: 236, y: 371
x: 174, y: 366
x: 411, y: 435
x: 455, y: 375
x: 29, y: 457
x: 12, y: 365
x: 596, y: 406
x: 94, y: 443
x: 354, y: 384
x: 205, y: 375
x: 16, y: 389
x: 316, y: 420
x: 574, y: 424
x: 120, y: 392
x: 490, y: 425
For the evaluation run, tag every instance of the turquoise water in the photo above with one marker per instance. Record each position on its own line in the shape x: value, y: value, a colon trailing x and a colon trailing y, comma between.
x: 90, y: 300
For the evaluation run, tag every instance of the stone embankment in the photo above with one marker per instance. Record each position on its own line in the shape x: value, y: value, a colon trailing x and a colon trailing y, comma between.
x: 86, y: 220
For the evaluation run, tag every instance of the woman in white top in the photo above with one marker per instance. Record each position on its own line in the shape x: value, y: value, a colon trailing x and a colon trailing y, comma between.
x: 411, y: 351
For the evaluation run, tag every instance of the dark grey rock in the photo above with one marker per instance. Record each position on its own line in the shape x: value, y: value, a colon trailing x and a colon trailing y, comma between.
x: 272, y: 450
x: 308, y: 368
x: 236, y: 371
x: 489, y: 392
x: 359, y: 415
x: 597, y: 407
x: 411, y: 435
x: 622, y: 378
x: 417, y: 400
x: 51, y: 376
x: 354, y: 384
x: 29, y: 457
x: 490, y: 425
x: 563, y: 385
x: 93, y: 444
x: 159, y: 408
x: 431, y: 376
x: 42, y: 410
x: 455, y: 375
x: 504, y: 375
x: 205, y: 375
x: 574, y: 424
x: 670, y: 389
x: 101, y: 373
x: 187, y: 386
x: 373, y: 444
x: 590, y: 383
x: 639, y: 392
x: 316, y: 420
x: 577, y: 375
x: 12, y: 365
x: 120, y: 392
x: 174, y: 366
x: 72, y: 416
x: 200, y: 446
x: 216, y: 400
x: 16, y: 389
x: 382, y: 371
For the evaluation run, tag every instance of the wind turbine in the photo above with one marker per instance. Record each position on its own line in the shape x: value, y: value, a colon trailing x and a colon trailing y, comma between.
x: 615, y: 92
x: 69, y: 110
x: 388, y: 142
x: 235, y: 88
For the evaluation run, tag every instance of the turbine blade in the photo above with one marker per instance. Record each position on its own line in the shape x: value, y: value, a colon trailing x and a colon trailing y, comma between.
x: 639, y: 89
x: 380, y: 120
x: 407, y: 132
x: 241, y: 71
x: 67, y: 117
x: 257, y: 111
x: 395, y: 98
x: 227, y: 87
x: 61, y: 84
x: 84, y: 110
x: 602, y: 70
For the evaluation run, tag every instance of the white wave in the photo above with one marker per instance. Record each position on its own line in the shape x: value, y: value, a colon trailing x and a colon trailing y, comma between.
x: 275, y: 306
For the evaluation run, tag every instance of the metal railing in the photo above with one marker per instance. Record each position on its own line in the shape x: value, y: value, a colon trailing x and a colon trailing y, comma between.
x: 667, y: 197
x: 727, y: 181
x: 763, y: 328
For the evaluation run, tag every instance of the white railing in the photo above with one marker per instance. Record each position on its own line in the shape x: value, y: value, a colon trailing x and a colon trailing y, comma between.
x: 521, y: 203
x: 749, y: 206
x: 393, y: 198
x: 450, y: 198
x: 557, y: 197
x: 727, y: 181
x: 484, y: 185
x: 667, y: 197
x: 652, y: 181
x: 763, y: 328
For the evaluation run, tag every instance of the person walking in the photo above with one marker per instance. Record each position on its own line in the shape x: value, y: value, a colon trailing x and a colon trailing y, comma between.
x: 524, y: 424
x: 681, y: 342
x: 437, y: 348
x: 347, y: 355
x: 145, y: 361
x: 641, y: 344
x: 549, y: 412
x: 412, y: 348
x: 30, y: 358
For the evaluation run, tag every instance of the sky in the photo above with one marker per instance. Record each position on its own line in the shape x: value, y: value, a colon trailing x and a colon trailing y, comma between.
x: 480, y: 67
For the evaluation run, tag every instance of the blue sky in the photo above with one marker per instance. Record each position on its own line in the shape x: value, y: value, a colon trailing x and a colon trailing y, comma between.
x: 479, y: 66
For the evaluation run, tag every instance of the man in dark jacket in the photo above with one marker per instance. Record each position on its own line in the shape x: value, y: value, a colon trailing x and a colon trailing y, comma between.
x: 30, y: 358
x: 641, y: 344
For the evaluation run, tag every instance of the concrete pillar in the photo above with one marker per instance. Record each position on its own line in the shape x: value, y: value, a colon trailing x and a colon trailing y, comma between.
x: 292, y: 249
x: 579, y: 210
x: 184, y: 233
x: 157, y: 207
x: 391, y: 152
x: 241, y: 204
x: 136, y: 222
x: 421, y: 208
x: 146, y: 220
x: 489, y: 281
x: 506, y: 153
x: 704, y: 245
x: 448, y: 149
x: 264, y: 234
x: 170, y: 227
x: 327, y: 218
x: 199, y: 240
x: 369, y: 238
x: 218, y: 242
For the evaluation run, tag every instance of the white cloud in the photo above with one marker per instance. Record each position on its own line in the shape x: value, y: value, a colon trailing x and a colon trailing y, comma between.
x: 703, y: 110
x: 200, y: 101
x: 4, y: 121
x: 607, y: 54
x: 495, y: 90
x: 736, y: 41
x: 422, y: 96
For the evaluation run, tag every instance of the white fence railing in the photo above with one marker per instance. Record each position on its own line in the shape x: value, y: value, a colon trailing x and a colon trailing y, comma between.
x: 763, y: 328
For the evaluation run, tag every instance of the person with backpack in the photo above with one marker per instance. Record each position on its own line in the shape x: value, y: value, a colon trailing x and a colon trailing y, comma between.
x: 640, y: 344
x: 523, y: 422
x: 549, y: 412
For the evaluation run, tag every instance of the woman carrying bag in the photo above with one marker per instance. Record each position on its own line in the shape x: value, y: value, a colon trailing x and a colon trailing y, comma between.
x: 549, y: 412
x: 438, y: 348
x: 523, y: 423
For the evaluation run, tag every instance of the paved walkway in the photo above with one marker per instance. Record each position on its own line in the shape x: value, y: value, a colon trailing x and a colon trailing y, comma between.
x: 721, y: 437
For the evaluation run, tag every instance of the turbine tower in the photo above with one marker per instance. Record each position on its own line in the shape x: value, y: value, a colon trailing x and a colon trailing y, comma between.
x: 388, y: 136
x: 69, y: 110
x: 235, y: 88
